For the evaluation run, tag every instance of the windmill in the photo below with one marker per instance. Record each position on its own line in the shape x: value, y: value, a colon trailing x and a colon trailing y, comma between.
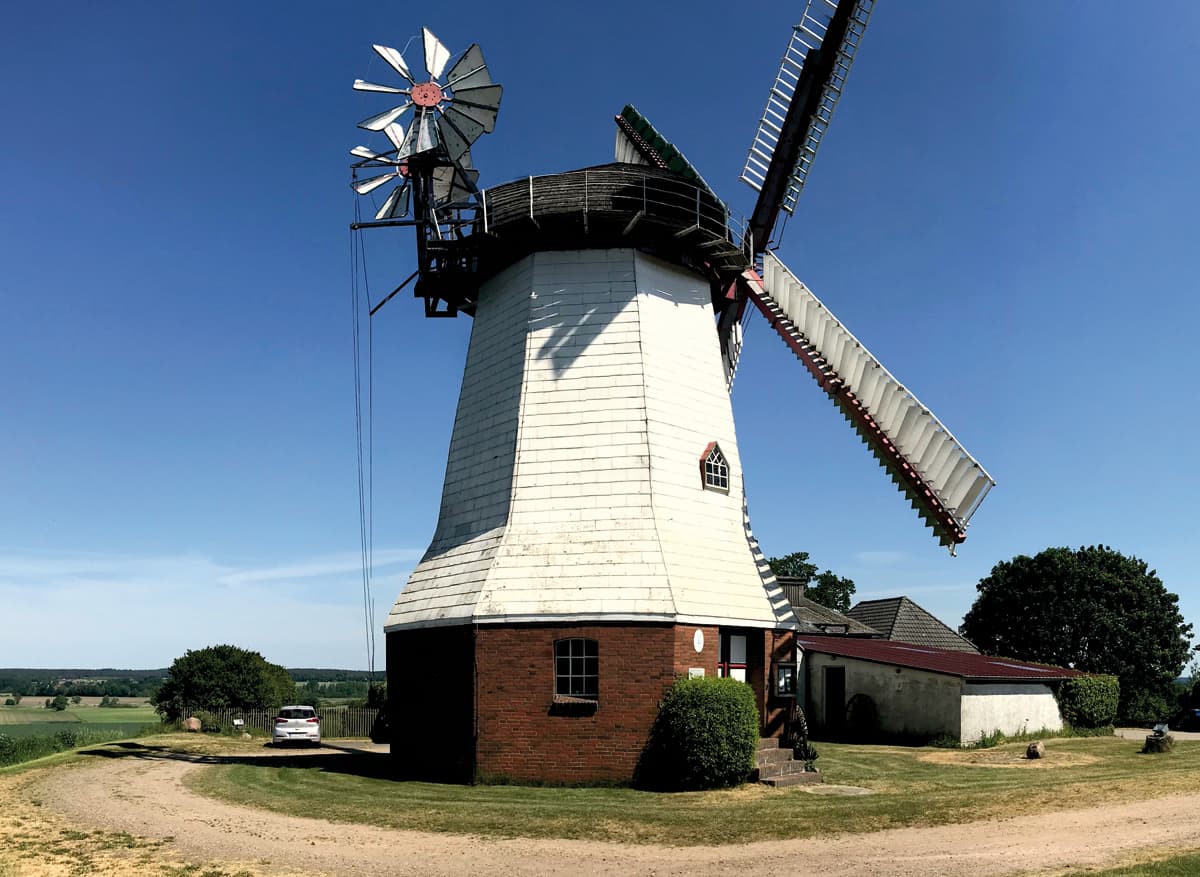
x: 428, y: 164
x: 593, y: 540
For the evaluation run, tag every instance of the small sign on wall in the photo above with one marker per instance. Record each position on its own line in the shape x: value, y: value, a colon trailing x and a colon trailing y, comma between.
x: 693, y: 672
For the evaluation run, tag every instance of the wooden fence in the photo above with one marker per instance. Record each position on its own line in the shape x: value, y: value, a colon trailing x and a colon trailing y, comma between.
x: 335, y: 721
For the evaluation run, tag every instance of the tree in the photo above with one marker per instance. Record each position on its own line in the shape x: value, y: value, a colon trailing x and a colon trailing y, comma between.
x: 827, y: 588
x: 1093, y: 609
x: 222, y: 677
x: 831, y: 590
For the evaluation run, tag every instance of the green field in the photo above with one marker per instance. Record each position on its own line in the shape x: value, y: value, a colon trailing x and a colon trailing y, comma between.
x: 25, y: 721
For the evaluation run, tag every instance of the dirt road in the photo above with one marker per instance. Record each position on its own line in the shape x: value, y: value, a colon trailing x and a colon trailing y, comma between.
x: 146, y: 798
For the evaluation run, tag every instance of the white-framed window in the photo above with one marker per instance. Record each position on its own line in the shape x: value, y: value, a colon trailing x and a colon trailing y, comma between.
x: 713, y: 469
x: 577, y: 668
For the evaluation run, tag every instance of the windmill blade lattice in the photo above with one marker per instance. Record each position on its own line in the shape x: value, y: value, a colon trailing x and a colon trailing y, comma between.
x: 944, y: 483
x: 451, y: 114
x: 397, y: 201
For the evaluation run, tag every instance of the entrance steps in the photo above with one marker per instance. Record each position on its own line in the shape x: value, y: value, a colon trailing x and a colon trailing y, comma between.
x: 776, y: 766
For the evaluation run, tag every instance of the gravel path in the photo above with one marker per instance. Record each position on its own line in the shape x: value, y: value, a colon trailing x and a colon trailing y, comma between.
x: 147, y: 798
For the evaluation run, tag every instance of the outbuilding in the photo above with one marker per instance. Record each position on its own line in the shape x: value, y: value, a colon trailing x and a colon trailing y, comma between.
x: 898, y: 689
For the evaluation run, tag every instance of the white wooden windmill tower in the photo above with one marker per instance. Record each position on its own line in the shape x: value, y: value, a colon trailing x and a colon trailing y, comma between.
x: 593, y: 542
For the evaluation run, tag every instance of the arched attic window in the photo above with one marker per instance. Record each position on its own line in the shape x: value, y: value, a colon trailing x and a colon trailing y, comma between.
x: 714, y: 471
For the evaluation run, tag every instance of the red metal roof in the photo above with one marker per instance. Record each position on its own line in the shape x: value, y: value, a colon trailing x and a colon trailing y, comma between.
x: 935, y: 660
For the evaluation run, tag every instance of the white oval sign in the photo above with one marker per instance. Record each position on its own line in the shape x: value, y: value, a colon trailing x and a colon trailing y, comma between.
x: 698, y: 641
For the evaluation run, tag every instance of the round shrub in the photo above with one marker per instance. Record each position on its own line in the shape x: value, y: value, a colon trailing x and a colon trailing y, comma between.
x: 704, y: 737
x: 1089, y: 701
x: 67, y: 737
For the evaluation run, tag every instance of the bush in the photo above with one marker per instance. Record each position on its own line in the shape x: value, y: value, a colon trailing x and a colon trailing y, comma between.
x: 223, y: 677
x: 705, y: 736
x: 209, y: 723
x: 1089, y: 701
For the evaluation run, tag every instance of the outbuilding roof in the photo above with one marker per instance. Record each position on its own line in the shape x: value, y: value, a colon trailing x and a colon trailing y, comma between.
x: 974, y: 668
x: 899, y: 618
x: 817, y: 619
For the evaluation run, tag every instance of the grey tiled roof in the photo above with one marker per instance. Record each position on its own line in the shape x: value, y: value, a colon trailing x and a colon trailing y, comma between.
x: 901, y: 620
x: 815, y: 618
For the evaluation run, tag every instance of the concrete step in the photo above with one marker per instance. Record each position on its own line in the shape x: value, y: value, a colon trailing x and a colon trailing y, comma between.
x: 793, y: 779
x: 772, y: 756
x: 768, y: 743
x: 779, y: 769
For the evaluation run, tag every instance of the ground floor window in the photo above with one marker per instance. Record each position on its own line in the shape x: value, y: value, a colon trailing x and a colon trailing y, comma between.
x: 577, y: 668
x: 732, y: 660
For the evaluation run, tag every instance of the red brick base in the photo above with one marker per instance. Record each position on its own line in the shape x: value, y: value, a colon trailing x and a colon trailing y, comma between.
x: 478, y: 702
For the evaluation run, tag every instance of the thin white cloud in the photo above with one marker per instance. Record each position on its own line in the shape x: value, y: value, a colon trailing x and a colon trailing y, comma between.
x: 86, y: 609
x: 333, y: 564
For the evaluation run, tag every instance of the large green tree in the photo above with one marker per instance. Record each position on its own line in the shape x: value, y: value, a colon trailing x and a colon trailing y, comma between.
x: 827, y: 588
x: 1093, y: 609
x: 221, y: 677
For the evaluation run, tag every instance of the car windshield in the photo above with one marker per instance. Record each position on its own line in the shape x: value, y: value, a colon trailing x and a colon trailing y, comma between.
x: 297, y: 713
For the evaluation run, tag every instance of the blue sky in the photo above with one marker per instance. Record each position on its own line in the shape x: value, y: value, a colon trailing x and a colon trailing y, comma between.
x: 1004, y: 212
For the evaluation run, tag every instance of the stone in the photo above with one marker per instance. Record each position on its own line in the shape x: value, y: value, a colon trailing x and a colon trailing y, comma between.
x: 246, y: 736
x: 191, y: 723
x: 1036, y: 749
x: 1156, y: 744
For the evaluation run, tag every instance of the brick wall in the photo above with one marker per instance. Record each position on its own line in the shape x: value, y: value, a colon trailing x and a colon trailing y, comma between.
x: 686, y: 656
x: 471, y: 702
x: 780, y: 645
x: 523, y: 734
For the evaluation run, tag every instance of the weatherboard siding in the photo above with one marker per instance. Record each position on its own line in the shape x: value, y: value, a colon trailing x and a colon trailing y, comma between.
x: 573, y: 490
x: 479, y: 469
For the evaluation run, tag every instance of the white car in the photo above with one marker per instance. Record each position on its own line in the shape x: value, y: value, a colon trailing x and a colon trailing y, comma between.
x: 296, y: 724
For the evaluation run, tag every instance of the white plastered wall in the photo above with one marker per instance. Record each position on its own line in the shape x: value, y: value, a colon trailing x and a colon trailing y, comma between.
x: 909, y: 702
x: 573, y: 487
x: 1010, y: 708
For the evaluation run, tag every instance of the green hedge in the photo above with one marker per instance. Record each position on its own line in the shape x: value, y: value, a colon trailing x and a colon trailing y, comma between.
x: 705, y: 736
x: 1089, y: 701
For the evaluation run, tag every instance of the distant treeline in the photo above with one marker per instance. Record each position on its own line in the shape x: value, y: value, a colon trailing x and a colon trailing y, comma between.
x: 311, y: 674
x: 34, y: 682
x: 314, y: 684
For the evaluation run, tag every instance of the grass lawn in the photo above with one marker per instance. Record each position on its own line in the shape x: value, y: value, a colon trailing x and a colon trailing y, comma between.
x: 1187, y: 865
x: 912, y: 787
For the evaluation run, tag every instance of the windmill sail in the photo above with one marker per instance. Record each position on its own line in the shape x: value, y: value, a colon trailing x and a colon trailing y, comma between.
x: 944, y: 483
x: 800, y: 105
